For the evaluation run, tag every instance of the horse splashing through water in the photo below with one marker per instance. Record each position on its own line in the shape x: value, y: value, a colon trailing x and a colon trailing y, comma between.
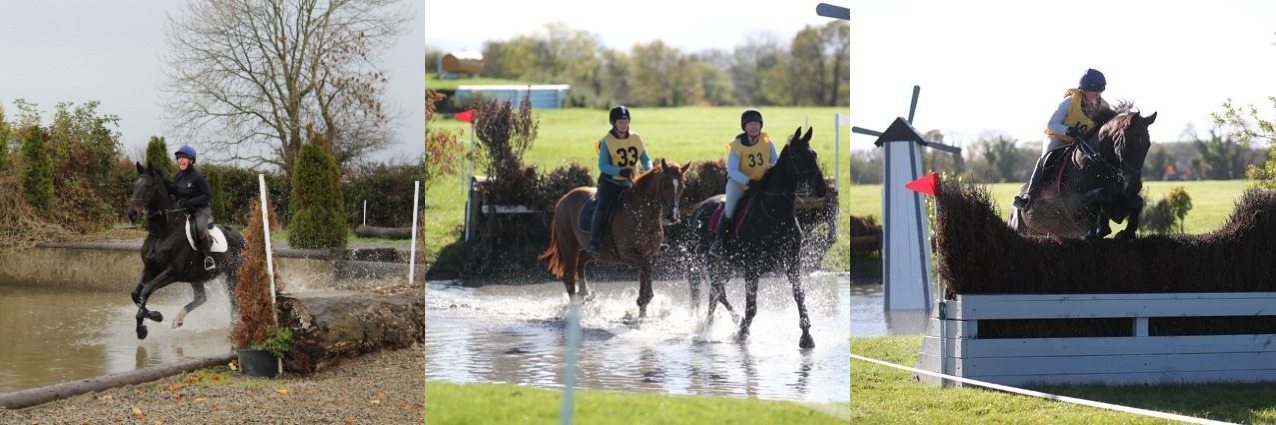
x: 167, y: 255
x: 1094, y: 189
x: 636, y: 231
x: 768, y: 236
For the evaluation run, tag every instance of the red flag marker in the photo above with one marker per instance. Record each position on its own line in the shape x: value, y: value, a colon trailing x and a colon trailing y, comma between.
x: 466, y: 115
x: 928, y: 184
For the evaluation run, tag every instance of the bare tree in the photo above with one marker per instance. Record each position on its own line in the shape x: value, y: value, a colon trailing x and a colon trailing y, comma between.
x: 245, y: 77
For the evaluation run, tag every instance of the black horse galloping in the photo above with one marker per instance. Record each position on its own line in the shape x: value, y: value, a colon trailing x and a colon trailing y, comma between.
x: 168, y: 257
x: 1095, y: 189
x: 769, y: 237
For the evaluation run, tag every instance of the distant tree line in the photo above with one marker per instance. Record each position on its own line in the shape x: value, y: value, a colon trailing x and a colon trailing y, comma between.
x: 998, y: 158
x: 809, y: 70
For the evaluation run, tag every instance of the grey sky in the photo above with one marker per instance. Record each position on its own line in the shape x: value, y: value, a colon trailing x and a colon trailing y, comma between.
x: 112, y: 51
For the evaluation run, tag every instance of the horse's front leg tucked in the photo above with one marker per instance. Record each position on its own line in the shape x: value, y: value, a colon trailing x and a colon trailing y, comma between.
x: 1101, y: 227
x: 1131, y: 228
x: 163, y: 279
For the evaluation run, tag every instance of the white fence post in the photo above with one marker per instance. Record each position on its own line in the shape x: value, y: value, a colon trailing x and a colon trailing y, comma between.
x: 416, y: 206
x: 270, y: 263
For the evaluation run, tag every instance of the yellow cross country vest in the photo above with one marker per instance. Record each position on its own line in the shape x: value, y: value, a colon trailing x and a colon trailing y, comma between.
x: 1076, y: 117
x: 754, y: 160
x: 624, y: 153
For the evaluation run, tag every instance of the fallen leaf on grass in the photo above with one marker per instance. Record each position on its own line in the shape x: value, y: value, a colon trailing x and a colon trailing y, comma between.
x: 283, y: 391
x: 174, y: 386
x: 107, y: 397
x: 374, y: 402
x: 200, y: 398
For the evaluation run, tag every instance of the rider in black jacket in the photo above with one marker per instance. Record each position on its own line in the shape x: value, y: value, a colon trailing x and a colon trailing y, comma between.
x: 192, y: 193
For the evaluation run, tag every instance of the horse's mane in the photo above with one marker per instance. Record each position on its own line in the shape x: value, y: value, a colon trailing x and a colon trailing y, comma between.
x: 640, y: 187
x: 1118, y: 121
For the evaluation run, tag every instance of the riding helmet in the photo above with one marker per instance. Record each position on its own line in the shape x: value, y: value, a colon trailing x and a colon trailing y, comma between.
x: 619, y: 112
x: 1093, y: 81
x: 185, y: 150
x: 750, y: 115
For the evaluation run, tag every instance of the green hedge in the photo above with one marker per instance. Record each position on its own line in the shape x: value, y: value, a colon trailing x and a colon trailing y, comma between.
x: 319, y: 216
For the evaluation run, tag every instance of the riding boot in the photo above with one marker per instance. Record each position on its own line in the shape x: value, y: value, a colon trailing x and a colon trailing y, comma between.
x: 720, y: 238
x: 1024, y: 202
x: 596, y: 236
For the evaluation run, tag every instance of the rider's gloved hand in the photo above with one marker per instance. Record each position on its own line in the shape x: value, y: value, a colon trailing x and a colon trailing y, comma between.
x: 627, y: 173
x: 1075, y: 133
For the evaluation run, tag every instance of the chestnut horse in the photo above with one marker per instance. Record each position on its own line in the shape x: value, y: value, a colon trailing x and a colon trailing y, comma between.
x: 636, y: 231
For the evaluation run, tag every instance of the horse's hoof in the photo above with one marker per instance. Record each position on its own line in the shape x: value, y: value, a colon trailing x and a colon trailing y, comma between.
x: 806, y: 343
x: 155, y: 315
x: 141, y: 332
x: 742, y: 336
x: 177, y: 324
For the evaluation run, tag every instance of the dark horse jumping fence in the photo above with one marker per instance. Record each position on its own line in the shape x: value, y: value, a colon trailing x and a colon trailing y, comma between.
x: 168, y: 257
x: 1095, y: 189
x: 770, y: 237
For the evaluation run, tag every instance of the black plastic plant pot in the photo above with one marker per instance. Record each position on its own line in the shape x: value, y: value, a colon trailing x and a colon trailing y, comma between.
x: 258, y: 363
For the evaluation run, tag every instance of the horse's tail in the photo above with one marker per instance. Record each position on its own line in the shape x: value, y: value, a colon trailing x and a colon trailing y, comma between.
x: 557, y: 264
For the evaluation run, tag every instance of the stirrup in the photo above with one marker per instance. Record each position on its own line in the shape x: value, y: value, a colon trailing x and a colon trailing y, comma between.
x: 209, y: 264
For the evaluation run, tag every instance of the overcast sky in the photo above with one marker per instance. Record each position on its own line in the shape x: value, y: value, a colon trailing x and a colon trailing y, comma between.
x: 112, y: 51
x: 984, y: 66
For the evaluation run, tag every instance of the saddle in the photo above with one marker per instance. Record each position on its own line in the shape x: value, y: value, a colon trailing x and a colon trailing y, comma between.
x: 585, y: 218
x: 745, y: 207
x: 214, y: 233
x: 1056, y: 167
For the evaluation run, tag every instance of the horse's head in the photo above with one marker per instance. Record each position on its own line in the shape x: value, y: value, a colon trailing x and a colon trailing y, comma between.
x: 1127, y: 134
x: 803, y: 162
x: 665, y: 183
x: 149, y: 191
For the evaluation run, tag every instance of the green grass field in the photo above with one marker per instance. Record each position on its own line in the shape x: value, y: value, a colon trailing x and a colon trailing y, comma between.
x: 681, y: 135
x: 1212, y: 200
x: 883, y: 395
x: 450, y: 403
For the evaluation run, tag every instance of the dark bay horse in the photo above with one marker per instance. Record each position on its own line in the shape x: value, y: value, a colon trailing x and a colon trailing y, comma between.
x: 768, y: 236
x: 636, y: 231
x: 168, y: 257
x: 1095, y: 189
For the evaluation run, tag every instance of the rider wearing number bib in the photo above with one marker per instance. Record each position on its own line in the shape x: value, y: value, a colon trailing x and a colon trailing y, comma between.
x: 1074, y: 118
x: 620, y: 152
x: 748, y: 158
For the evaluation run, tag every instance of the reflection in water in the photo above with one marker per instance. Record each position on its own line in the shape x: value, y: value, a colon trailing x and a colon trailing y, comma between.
x: 869, y: 318
x: 514, y: 334
x: 48, y: 336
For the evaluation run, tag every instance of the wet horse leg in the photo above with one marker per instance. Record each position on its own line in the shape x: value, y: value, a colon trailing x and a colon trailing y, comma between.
x: 644, y: 289
x: 582, y: 289
x: 163, y: 279
x: 199, y: 300
x: 694, y: 275
x: 718, y: 292
x: 751, y: 302
x: 795, y: 279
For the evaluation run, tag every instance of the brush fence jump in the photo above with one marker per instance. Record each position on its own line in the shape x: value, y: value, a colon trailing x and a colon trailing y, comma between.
x: 1142, y: 357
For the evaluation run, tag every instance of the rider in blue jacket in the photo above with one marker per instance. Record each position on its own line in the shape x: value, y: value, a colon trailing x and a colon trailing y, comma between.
x: 620, y: 153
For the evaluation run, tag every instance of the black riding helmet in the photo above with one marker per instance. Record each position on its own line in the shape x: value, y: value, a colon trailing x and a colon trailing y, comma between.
x: 619, y: 112
x: 750, y: 115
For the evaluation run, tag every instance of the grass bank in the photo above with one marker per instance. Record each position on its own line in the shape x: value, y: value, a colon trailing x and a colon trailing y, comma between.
x: 681, y: 135
x: 883, y: 395
x: 453, y: 403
